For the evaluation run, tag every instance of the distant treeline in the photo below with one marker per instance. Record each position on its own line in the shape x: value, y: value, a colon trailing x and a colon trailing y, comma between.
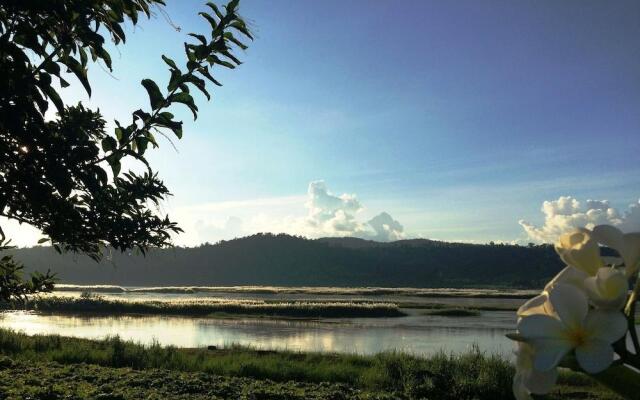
x: 284, y: 260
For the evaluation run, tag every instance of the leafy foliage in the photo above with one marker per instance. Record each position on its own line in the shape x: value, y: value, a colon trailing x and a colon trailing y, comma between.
x: 64, y: 175
x: 11, y: 283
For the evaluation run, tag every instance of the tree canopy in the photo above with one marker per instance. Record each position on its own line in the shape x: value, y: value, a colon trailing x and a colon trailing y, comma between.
x: 63, y: 175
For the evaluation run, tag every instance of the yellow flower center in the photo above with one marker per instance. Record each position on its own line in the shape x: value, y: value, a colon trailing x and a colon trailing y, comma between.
x: 578, y: 336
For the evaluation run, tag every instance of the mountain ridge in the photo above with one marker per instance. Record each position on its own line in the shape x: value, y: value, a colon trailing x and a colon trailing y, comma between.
x: 284, y: 260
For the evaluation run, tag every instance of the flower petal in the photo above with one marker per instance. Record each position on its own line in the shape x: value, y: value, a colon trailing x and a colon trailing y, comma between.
x: 631, y: 252
x: 569, y: 303
x: 548, y: 353
x: 594, y: 356
x: 578, y: 249
x: 541, y: 382
x: 540, y: 326
x: 627, y: 245
x: 608, y: 289
x: 569, y: 275
x: 535, y: 305
x: 606, y: 326
x: 609, y: 236
x: 520, y: 391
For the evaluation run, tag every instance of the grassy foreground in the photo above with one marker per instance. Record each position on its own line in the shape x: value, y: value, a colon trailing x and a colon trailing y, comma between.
x: 53, y: 367
x: 209, y: 306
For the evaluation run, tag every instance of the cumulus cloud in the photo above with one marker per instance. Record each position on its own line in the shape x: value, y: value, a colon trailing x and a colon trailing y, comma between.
x: 331, y: 215
x: 386, y: 228
x: 319, y: 213
x: 567, y: 213
x: 336, y: 215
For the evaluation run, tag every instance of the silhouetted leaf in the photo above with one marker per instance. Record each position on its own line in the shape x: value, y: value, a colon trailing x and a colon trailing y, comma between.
x: 155, y: 97
x: 169, y: 62
x: 185, y: 98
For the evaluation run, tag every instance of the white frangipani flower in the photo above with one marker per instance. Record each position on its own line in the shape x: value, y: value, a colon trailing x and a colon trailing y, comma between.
x: 626, y: 244
x: 574, y: 327
x: 528, y: 380
x: 579, y: 250
x: 608, y: 289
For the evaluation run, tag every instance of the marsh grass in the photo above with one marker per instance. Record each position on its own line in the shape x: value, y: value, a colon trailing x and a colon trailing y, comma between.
x: 473, y: 375
x: 95, y: 304
x: 469, y: 376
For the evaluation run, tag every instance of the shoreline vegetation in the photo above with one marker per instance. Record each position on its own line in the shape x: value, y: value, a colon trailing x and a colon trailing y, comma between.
x: 346, y: 291
x: 115, y: 369
x: 95, y: 304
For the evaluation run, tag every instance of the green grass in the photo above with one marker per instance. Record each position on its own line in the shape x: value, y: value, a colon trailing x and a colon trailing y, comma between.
x: 47, y: 367
x: 53, y: 381
x: 453, y: 312
x: 469, y: 376
x: 203, y: 307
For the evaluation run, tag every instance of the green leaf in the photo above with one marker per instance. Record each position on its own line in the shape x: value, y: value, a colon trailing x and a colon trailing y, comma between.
x: 43, y: 240
x: 105, y: 57
x: 54, y: 97
x: 215, y: 10
x: 185, y: 98
x: 141, y: 143
x: 114, y: 162
x: 51, y: 67
x: 80, y: 72
x: 205, y: 71
x: 109, y: 144
x: 83, y: 57
x: 201, y: 38
x: 155, y: 97
x: 210, y: 19
x: 119, y: 134
x: 229, y: 36
x: 175, y: 80
x: 170, y: 62
x: 241, y: 27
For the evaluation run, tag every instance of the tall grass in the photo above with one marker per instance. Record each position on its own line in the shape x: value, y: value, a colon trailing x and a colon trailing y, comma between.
x: 208, y: 306
x: 468, y: 376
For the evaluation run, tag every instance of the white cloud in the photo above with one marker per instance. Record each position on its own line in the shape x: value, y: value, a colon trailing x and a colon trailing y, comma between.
x: 336, y: 215
x: 568, y: 213
x: 327, y: 214
x: 331, y: 215
x: 386, y: 228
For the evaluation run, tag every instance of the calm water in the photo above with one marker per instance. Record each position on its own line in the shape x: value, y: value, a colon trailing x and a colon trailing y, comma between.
x: 414, y: 333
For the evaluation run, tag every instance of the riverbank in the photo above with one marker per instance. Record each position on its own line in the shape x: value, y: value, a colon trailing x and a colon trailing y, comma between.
x: 94, y: 304
x: 46, y: 367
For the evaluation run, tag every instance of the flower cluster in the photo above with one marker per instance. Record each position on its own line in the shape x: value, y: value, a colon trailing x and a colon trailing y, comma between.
x: 581, y: 311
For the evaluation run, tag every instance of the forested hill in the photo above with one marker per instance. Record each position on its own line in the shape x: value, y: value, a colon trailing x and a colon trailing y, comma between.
x: 284, y: 260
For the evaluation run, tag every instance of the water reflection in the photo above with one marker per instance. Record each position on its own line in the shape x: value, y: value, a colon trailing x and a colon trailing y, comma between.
x: 415, y: 333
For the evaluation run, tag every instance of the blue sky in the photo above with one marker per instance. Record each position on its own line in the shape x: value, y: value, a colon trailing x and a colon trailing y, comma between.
x: 456, y: 118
